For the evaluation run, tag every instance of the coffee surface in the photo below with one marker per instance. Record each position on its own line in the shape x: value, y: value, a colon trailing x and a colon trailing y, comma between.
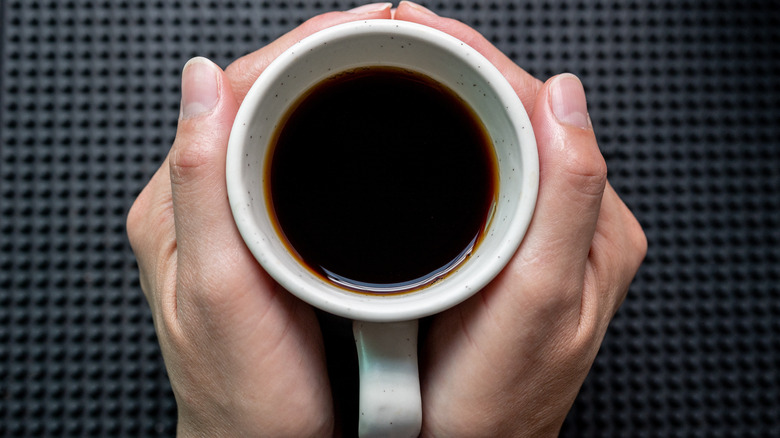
x: 381, y: 179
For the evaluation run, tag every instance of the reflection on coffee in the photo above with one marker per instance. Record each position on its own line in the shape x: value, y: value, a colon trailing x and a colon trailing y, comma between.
x: 381, y: 180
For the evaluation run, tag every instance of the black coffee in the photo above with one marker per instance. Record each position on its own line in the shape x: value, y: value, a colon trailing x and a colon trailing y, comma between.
x: 381, y: 180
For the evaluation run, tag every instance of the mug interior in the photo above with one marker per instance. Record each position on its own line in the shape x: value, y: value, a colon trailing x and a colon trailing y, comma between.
x: 393, y: 44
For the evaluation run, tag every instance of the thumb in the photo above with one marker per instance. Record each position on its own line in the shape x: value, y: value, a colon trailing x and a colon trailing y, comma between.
x: 207, y: 241
x: 554, y: 253
x: 197, y: 157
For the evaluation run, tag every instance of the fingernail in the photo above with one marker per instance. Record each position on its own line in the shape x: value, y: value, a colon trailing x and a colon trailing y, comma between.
x: 199, y: 87
x: 371, y: 7
x: 420, y: 8
x: 568, y: 101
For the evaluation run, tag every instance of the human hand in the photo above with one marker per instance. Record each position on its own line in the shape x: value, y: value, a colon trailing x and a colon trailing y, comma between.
x: 244, y: 357
x: 510, y: 360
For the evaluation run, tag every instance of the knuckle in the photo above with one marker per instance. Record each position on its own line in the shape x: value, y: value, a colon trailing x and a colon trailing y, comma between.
x: 588, y: 173
x: 638, y: 239
x: 137, y: 222
x: 133, y: 223
x: 186, y: 160
x: 629, y: 241
x: 149, y: 222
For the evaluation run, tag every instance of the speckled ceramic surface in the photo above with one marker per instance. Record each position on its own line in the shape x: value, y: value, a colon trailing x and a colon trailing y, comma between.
x: 398, y: 44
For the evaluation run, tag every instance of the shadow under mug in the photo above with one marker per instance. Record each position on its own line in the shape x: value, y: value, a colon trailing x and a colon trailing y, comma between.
x: 385, y: 326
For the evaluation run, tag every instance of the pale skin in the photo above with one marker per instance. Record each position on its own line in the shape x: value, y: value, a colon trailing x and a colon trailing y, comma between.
x: 246, y: 358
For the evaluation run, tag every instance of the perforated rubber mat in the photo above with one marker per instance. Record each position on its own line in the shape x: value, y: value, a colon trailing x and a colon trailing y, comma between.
x: 685, y: 97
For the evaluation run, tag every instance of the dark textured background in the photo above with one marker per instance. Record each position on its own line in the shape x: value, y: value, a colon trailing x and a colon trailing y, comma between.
x: 685, y: 97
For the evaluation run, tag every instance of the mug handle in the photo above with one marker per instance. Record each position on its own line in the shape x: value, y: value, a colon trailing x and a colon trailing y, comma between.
x: 390, y: 402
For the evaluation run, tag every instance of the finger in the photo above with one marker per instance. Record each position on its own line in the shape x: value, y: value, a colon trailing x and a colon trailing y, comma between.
x: 243, y: 72
x: 197, y: 157
x: 554, y: 253
x: 150, y: 219
x: 618, y: 248
x: 525, y: 85
x: 198, y: 151
x: 150, y: 230
x: 208, y: 243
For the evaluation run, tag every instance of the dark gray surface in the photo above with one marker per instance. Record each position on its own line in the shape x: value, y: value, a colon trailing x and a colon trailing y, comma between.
x: 685, y: 97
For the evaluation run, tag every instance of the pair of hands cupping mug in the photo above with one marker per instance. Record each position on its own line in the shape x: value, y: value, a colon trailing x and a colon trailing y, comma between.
x: 384, y: 301
x: 339, y: 226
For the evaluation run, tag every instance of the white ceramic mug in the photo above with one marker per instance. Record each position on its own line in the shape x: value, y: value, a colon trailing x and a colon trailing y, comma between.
x: 385, y: 326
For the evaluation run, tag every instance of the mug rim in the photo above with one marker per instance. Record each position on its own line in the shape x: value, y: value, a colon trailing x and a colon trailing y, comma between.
x: 375, y: 307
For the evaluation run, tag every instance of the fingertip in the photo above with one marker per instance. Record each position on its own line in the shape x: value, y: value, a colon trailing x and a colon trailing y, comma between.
x: 564, y: 131
x: 199, y: 87
x: 416, y: 13
x: 568, y: 102
x: 371, y: 8
x: 525, y: 85
x: 412, y: 8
